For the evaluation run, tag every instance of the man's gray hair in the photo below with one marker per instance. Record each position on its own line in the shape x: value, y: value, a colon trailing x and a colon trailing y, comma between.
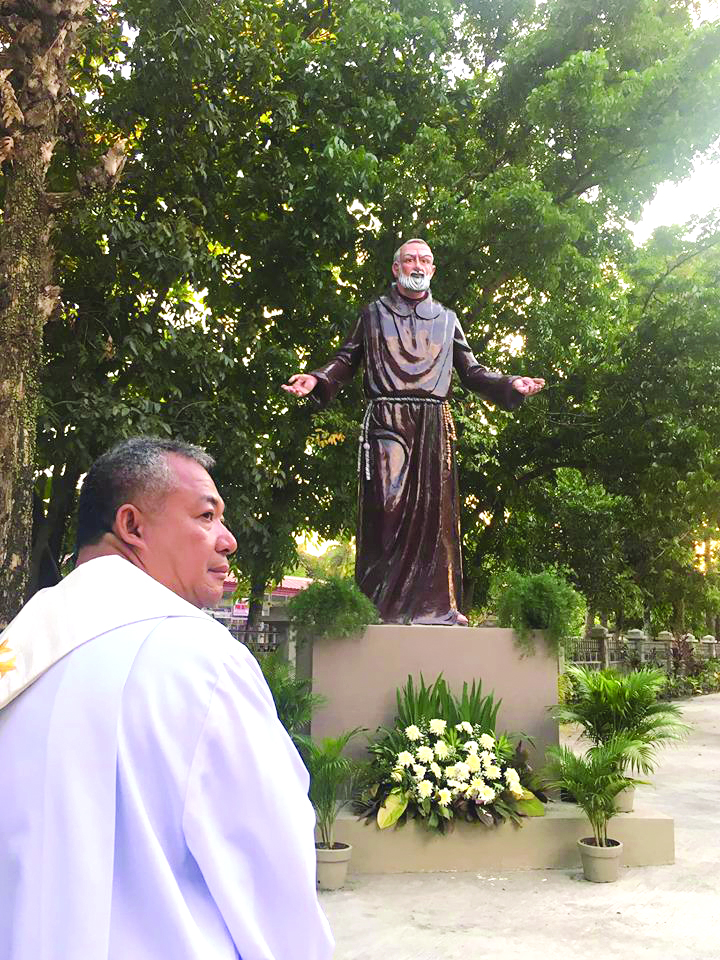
x: 133, y: 468
x: 396, y: 258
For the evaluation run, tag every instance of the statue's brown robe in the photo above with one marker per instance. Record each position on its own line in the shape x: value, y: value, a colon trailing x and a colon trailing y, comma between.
x: 408, y: 536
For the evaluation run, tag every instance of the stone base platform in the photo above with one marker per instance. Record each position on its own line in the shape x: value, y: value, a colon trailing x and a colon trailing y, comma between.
x: 358, y: 676
x: 541, y: 843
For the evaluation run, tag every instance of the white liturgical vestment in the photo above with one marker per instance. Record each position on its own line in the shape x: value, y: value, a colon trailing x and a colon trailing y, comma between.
x: 152, y: 806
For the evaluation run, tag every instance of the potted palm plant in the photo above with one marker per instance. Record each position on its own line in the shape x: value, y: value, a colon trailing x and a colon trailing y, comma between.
x: 608, y: 704
x: 332, y: 777
x: 594, y: 780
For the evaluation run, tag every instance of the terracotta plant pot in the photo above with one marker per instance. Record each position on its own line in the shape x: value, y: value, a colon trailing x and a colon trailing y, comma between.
x: 625, y: 800
x: 600, y: 864
x: 332, y: 865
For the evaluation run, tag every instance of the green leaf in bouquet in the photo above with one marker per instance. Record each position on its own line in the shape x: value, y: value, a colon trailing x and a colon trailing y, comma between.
x: 529, y: 805
x: 394, y: 807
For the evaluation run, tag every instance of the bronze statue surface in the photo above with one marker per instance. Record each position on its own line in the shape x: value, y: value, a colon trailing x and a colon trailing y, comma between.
x: 408, y: 537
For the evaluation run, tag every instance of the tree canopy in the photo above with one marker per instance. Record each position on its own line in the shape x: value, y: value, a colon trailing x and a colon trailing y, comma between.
x: 276, y: 155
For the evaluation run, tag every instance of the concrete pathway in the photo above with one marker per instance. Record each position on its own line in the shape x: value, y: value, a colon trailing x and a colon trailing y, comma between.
x: 668, y: 913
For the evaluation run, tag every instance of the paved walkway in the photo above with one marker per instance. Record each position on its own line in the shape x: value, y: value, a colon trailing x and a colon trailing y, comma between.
x: 668, y: 913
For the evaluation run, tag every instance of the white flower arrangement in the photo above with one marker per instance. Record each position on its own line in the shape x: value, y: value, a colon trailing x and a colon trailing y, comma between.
x: 473, y: 763
x: 424, y: 789
x: 439, y: 772
x: 462, y: 771
x: 425, y: 754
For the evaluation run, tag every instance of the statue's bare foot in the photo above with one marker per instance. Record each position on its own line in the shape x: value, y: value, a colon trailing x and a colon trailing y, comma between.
x: 462, y: 620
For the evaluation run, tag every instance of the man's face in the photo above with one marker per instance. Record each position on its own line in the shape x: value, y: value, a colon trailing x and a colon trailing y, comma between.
x: 184, y: 543
x: 415, y: 267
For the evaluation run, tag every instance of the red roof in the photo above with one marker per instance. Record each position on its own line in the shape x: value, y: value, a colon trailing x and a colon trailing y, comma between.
x: 289, y: 587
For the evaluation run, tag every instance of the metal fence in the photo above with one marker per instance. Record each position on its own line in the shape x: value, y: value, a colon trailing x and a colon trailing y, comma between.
x: 267, y: 637
x: 633, y: 650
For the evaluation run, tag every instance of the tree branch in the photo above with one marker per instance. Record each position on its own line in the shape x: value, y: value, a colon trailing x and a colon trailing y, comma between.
x: 681, y: 261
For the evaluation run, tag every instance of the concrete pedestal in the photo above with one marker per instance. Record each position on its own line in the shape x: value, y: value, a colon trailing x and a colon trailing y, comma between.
x: 359, y: 676
x: 545, y: 842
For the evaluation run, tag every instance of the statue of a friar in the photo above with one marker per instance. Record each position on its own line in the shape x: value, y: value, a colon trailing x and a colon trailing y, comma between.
x: 408, y: 536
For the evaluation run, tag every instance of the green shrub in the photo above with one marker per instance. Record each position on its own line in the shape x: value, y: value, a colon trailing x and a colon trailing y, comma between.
x: 537, y: 601
x: 293, y: 696
x: 707, y: 680
x: 566, y: 688
x: 335, y: 608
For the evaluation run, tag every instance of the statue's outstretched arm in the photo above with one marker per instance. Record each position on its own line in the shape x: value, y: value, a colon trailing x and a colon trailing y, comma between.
x: 494, y: 386
x: 332, y: 377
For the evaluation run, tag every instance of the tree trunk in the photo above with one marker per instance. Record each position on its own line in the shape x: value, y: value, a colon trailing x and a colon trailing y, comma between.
x: 647, y: 618
x: 49, y: 529
x: 258, y: 585
x: 24, y: 277
x: 709, y: 612
x: 678, y: 616
x: 62, y: 506
x: 33, y: 85
x: 468, y: 594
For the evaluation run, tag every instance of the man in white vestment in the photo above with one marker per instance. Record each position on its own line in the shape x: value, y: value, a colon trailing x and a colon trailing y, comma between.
x: 153, y: 807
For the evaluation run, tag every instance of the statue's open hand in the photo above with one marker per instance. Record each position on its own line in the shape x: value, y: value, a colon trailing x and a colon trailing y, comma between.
x: 301, y: 384
x: 528, y: 385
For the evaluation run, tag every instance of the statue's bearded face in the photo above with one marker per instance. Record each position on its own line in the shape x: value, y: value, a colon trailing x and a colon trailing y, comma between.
x: 415, y: 280
x: 414, y: 267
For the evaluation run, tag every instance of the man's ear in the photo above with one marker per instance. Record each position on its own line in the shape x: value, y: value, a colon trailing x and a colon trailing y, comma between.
x: 128, y: 525
x: 395, y: 268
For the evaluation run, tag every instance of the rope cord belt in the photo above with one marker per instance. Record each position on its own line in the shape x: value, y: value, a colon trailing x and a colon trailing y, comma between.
x: 448, y: 423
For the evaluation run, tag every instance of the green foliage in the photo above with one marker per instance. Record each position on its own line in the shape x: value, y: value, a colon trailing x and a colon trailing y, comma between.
x: 594, y: 779
x: 608, y: 705
x: 337, y: 561
x: 416, y: 703
x: 334, y: 608
x: 273, y: 164
x: 566, y: 688
x: 331, y: 776
x: 293, y: 696
x: 537, y: 601
x: 579, y: 526
x: 705, y: 680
